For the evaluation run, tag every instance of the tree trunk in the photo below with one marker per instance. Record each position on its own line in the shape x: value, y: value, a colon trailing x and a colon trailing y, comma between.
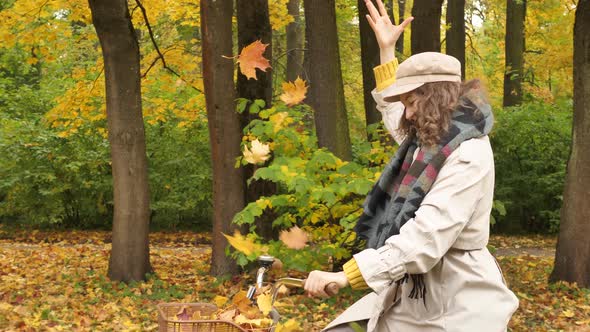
x: 515, y: 44
x: 130, y: 254
x: 369, y: 59
x: 295, y: 41
x: 402, y: 11
x: 426, y: 26
x: 572, y: 258
x: 455, y: 35
x: 224, y: 126
x: 326, y: 90
x: 254, y: 24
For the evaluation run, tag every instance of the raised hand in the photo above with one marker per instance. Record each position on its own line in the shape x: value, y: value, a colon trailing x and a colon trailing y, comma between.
x: 386, y: 33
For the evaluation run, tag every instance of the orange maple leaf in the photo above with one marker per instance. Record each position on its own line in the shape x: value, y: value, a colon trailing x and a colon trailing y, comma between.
x: 295, y: 238
x: 252, y: 58
x: 294, y: 93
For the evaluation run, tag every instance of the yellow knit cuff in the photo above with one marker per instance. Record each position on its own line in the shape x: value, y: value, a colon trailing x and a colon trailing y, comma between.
x: 354, y: 276
x: 385, y: 74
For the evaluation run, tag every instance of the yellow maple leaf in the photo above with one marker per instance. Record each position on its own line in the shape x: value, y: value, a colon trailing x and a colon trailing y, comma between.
x: 251, y: 58
x: 294, y: 93
x: 220, y: 301
x: 244, y: 244
x: 295, y: 238
x: 264, y: 302
x: 261, y: 322
x: 289, y: 326
x: 568, y: 313
x: 240, y: 298
x: 259, y: 153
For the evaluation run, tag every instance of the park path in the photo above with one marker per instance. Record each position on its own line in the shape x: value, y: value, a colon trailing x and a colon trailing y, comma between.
x: 531, y: 251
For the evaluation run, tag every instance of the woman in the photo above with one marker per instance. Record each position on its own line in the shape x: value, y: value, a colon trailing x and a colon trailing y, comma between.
x: 426, y: 221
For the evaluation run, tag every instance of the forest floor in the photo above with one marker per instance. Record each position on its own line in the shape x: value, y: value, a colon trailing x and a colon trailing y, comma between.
x: 56, y: 281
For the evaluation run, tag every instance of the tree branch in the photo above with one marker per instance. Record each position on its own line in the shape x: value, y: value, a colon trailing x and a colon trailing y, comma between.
x: 160, y: 55
x: 473, y: 47
x: 96, y: 79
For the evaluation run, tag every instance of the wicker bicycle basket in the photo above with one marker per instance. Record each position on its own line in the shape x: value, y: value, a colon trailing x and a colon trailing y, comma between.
x: 168, y: 321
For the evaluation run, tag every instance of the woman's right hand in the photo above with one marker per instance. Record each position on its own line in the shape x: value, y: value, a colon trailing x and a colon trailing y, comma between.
x: 387, y: 34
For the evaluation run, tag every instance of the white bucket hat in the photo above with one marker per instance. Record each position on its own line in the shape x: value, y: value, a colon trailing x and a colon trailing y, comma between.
x: 422, y: 68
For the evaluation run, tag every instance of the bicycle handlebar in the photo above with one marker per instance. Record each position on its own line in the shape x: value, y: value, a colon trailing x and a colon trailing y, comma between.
x: 331, y: 289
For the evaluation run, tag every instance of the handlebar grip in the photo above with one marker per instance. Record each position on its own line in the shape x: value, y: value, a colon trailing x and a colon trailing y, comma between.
x: 331, y: 289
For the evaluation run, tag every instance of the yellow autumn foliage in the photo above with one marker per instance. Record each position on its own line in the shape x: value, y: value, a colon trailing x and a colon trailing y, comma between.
x: 278, y: 14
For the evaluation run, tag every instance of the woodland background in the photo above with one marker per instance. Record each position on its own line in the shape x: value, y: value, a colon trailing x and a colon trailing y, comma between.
x: 186, y: 142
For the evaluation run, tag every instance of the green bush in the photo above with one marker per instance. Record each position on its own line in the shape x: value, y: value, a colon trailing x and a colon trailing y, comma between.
x: 47, y: 179
x: 180, y: 175
x: 531, y: 145
x: 318, y: 192
x: 54, y: 181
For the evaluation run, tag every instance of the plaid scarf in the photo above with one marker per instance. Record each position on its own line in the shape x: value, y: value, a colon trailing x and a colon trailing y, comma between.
x: 404, y: 182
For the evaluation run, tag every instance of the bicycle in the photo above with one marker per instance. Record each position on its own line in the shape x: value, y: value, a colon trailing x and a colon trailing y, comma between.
x: 178, y: 317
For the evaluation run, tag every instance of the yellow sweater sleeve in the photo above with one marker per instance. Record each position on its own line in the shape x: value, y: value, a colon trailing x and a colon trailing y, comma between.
x: 385, y: 74
x: 354, y: 276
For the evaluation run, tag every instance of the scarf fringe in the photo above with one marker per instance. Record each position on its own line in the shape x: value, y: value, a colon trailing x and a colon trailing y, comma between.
x: 418, y: 288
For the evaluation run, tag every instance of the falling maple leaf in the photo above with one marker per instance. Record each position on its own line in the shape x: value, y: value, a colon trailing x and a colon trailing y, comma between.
x: 251, y: 58
x: 294, y: 93
x: 244, y: 245
x: 295, y: 238
x: 259, y: 153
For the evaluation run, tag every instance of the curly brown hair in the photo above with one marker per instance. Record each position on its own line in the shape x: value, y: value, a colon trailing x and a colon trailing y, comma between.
x: 435, y: 103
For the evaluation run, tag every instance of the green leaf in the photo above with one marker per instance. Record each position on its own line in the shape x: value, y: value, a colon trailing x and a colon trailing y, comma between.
x: 241, y: 104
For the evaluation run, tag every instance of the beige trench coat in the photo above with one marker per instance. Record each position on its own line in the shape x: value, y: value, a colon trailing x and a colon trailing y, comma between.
x: 446, y: 241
